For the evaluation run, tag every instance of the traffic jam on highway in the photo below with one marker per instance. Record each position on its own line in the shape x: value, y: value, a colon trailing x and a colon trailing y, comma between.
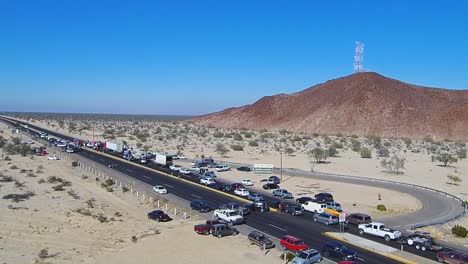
x: 245, y: 206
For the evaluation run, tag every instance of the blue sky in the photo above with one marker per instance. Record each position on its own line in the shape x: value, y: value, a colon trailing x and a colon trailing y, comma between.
x: 194, y: 57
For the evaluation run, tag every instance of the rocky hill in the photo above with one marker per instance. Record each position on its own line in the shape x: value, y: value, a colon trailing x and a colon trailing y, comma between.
x: 363, y: 104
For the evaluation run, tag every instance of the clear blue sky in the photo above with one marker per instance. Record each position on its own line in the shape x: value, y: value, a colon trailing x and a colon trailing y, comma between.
x: 193, y: 57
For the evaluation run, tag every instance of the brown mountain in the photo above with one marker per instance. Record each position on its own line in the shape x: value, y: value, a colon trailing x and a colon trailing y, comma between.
x: 362, y: 104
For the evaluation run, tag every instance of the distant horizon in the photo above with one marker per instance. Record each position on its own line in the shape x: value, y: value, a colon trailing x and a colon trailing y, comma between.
x: 198, y: 57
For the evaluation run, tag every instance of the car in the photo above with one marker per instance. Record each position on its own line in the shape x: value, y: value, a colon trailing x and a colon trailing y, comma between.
x: 175, y: 167
x: 457, y: 257
x: 347, y: 262
x: 185, y: 171
x: 62, y: 144
x: 334, y: 205
x: 314, y: 207
x: 338, y: 250
x: 277, y: 204
x: 53, y: 158
x: 247, y: 182
x: 232, y: 217
x: 379, y: 230
x: 242, y: 210
x: 181, y: 157
x: 225, y: 187
x: 208, y: 181
x: 258, y: 206
x: 241, y: 192
x: 220, y: 230
x: 212, y: 165
x: 236, y: 186
x: 223, y: 168
x: 293, y: 210
x: 283, y: 193
x: 159, y: 216
x: 358, y: 218
x: 244, y: 168
x: 324, y: 197
x: 307, y: 256
x: 208, y: 173
x: 292, y: 243
x: 255, y: 197
x: 260, y: 240
x: 302, y: 200
x: 199, y: 205
x: 205, y: 229
x: 160, y: 189
x: 270, y: 186
x: 325, y: 218
x: 273, y: 179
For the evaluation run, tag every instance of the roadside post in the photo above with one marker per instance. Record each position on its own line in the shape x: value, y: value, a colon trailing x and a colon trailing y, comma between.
x: 342, y: 220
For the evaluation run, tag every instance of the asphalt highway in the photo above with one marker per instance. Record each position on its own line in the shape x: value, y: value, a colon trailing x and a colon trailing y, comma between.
x: 273, y: 223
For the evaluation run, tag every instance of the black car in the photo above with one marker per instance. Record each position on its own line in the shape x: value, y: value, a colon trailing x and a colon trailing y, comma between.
x: 258, y: 206
x: 259, y: 239
x: 293, y: 210
x: 302, y: 200
x: 159, y: 216
x: 270, y: 186
x: 324, y: 197
x: 244, y: 168
x: 199, y: 205
x: 225, y: 187
x: 338, y: 251
x: 276, y: 204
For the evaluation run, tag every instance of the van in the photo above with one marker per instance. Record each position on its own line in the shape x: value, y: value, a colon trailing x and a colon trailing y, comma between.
x: 358, y: 218
x: 314, y: 207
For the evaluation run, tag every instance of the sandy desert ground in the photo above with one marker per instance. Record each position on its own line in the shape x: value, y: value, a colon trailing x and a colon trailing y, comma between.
x: 193, y: 142
x: 65, y: 227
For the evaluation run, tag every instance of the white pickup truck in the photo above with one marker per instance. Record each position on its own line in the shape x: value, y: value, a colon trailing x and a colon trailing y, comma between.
x: 379, y: 229
x: 228, y: 215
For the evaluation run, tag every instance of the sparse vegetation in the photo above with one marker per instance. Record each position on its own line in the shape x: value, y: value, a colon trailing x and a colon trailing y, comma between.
x: 446, y: 158
x: 393, y: 164
x: 454, y: 179
x: 460, y: 231
x: 366, y: 153
x: 221, y: 149
x: 237, y: 147
x: 318, y: 154
x: 381, y: 207
x: 19, y: 197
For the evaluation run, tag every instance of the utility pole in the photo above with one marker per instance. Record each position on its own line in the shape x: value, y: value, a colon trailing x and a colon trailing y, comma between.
x: 281, y: 166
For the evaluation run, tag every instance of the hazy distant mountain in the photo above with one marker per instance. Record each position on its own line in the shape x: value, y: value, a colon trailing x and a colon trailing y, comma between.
x: 363, y: 104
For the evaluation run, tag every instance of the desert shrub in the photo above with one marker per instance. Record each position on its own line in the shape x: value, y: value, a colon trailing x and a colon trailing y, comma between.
x: 383, y: 152
x: 101, y: 218
x: 355, y: 145
x: 58, y: 188
x: 326, y: 140
x: 41, y: 181
x: 84, y: 177
x: 218, y: 134
x: 74, y: 163
x: 134, y: 239
x: 318, y: 154
x: 393, y: 165
x: 83, y: 211
x: 31, y: 174
x: 7, y: 158
x: 428, y: 139
x: 237, y: 147
x: 332, y: 152
x: 253, y: 143
x: 408, y: 142
x: 237, y: 136
x: 289, y: 151
x: 44, y: 253
x: 454, y: 179
x: 461, y: 153
x: 23, y: 171
x: 73, y: 194
x: 289, y: 256
x: 459, y: 231
x: 446, y: 158
x: 381, y: 207
x: 283, y: 131
x: 19, y: 184
x: 366, y: 153
x: 296, y: 138
x: 337, y: 145
x: 221, y: 149
x: 18, y: 197
x: 387, y: 144
x: 14, y: 167
x: 125, y: 189
x: 4, y: 178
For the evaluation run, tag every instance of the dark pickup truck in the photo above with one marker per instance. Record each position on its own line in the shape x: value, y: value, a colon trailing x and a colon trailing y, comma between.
x: 205, y: 229
x: 259, y: 239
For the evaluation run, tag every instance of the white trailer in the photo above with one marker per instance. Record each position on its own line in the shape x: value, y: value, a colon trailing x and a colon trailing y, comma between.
x: 163, y: 159
x: 116, y: 147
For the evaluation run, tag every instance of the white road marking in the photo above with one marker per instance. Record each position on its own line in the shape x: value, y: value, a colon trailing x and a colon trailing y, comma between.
x: 129, y: 170
x: 361, y: 259
x: 196, y: 196
x: 144, y: 176
x: 170, y: 186
x: 277, y: 227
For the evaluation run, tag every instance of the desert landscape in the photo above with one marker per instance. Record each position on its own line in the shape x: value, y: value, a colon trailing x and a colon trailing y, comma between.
x: 421, y: 157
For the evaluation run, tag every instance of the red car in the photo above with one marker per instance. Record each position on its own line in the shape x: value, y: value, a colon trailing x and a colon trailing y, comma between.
x: 236, y: 186
x: 292, y: 243
x: 453, y: 257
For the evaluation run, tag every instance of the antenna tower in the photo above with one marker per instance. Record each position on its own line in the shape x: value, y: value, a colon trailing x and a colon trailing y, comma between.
x: 358, y: 52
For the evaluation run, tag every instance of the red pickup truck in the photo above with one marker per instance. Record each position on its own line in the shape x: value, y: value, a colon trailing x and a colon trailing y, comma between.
x: 204, y: 229
x: 292, y: 243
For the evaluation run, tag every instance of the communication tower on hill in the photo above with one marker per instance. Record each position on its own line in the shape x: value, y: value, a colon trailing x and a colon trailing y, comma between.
x: 358, y: 53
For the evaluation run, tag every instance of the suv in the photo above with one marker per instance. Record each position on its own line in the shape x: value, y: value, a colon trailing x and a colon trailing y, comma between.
x: 293, y: 210
x: 292, y: 243
x: 273, y: 179
x: 358, y: 218
x: 259, y: 239
x: 338, y: 250
x: 327, y: 219
x: 200, y: 206
x: 307, y: 256
x: 255, y: 197
x: 324, y: 197
x: 220, y: 230
x: 258, y: 206
x: 453, y: 257
x: 334, y: 205
x: 269, y: 186
x: 283, y: 193
x: 159, y: 216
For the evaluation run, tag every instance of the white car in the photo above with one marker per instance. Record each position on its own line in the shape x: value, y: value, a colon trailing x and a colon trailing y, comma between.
x: 62, y: 144
x: 181, y: 157
x: 223, y: 168
x: 247, y: 182
x: 185, y: 171
x: 160, y: 189
x: 242, y: 192
x: 175, y: 167
x: 53, y: 158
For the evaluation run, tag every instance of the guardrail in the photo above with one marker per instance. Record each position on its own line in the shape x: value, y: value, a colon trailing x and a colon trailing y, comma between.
x: 423, y: 224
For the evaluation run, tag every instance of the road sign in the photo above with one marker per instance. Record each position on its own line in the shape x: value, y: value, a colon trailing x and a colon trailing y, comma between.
x: 342, y: 217
x: 263, y: 168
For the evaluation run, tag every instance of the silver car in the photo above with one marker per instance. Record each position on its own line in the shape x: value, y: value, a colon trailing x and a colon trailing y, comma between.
x: 334, y: 205
x: 307, y: 256
x: 327, y: 219
x: 255, y: 197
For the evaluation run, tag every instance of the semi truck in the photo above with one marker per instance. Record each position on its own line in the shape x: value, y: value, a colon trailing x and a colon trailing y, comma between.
x: 114, y: 147
x: 163, y: 159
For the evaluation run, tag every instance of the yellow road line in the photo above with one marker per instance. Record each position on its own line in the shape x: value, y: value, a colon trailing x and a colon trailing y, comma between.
x: 388, y: 255
x: 175, y: 177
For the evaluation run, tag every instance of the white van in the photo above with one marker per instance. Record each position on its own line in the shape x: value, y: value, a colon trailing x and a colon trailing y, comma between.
x: 314, y: 207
